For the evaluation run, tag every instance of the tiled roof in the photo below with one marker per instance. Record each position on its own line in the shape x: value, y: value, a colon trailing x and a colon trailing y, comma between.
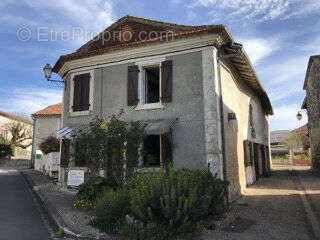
x: 15, y: 117
x: 303, y: 131
x: 153, y: 31
x: 164, y: 32
x: 50, y: 110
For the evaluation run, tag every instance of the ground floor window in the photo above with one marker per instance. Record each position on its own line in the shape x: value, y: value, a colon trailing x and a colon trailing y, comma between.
x: 152, y: 151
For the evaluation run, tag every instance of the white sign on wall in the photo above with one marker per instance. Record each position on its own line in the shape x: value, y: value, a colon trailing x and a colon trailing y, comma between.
x: 75, y: 178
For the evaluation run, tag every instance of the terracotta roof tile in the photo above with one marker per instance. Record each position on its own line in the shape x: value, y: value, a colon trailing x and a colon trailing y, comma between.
x: 15, y: 117
x: 50, y: 110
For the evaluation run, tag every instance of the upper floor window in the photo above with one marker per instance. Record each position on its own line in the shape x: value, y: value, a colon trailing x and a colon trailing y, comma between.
x: 150, y: 84
x: 81, y: 94
x: 251, y: 122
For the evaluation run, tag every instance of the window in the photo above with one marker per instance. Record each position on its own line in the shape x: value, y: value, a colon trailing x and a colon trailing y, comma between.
x: 81, y: 93
x: 151, y: 84
x: 251, y: 122
x: 151, y: 151
x: 157, y: 151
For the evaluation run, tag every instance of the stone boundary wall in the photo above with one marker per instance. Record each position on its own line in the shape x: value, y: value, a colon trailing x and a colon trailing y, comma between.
x: 48, y: 164
x: 15, y: 162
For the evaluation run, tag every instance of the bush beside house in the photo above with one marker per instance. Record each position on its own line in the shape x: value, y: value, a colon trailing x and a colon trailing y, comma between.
x: 6, y: 150
x: 161, y: 204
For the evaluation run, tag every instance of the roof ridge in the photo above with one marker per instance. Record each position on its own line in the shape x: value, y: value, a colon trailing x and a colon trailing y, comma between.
x: 15, y: 117
x: 140, y: 20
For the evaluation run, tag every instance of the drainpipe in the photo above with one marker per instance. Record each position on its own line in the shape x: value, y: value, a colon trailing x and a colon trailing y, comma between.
x: 223, y: 141
x: 33, y: 150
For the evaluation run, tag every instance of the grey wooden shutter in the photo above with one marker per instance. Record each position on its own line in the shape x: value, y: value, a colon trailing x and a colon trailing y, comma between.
x: 132, y: 87
x: 166, y: 151
x: 166, y: 81
x: 247, y: 155
x: 65, y: 153
x: 85, y: 91
x: 77, y: 93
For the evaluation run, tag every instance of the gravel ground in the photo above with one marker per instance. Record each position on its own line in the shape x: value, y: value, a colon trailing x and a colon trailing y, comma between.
x: 61, y: 201
x: 270, y: 209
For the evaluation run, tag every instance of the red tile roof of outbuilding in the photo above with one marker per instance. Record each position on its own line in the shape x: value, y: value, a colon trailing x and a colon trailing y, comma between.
x: 50, y: 110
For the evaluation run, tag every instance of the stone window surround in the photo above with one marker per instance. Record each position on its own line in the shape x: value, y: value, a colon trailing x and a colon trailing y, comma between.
x: 141, y: 91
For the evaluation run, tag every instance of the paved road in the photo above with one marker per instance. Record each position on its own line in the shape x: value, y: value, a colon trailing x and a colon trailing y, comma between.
x: 20, y: 218
x: 284, y: 206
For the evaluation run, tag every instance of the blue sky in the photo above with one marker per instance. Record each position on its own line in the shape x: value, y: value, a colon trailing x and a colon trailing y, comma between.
x: 278, y: 35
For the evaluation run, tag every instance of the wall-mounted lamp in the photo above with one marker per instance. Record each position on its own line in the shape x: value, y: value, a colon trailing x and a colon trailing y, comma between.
x: 47, y: 70
x: 232, y: 116
x: 299, y: 116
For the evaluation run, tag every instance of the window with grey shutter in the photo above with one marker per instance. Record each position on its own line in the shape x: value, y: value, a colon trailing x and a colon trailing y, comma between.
x: 81, y: 92
x: 166, y: 150
x: 166, y: 81
x: 132, y: 85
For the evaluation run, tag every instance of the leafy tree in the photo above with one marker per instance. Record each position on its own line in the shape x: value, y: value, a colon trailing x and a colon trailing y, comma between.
x: 50, y: 144
x: 111, y: 144
x: 293, y: 142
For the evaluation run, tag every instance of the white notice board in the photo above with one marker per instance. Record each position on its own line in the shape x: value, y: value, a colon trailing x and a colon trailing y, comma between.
x: 75, y: 178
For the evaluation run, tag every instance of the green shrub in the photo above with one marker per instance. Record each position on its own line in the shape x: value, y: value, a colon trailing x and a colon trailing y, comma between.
x: 111, y: 210
x: 178, y: 200
x: 5, y: 150
x: 50, y: 144
x: 89, y: 192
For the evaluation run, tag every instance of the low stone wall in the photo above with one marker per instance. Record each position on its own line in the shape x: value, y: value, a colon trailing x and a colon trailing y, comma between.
x: 15, y: 162
x: 48, y: 164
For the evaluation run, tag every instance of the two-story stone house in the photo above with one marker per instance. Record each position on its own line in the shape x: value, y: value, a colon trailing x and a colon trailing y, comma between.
x: 312, y: 104
x: 193, y: 85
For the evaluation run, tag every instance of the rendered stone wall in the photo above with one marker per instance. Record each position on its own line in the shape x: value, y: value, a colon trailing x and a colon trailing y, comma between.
x: 236, y: 98
x: 187, y: 105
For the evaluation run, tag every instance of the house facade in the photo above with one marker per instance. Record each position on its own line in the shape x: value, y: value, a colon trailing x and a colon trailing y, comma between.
x: 193, y: 86
x: 6, y: 119
x: 46, y: 123
x: 312, y: 104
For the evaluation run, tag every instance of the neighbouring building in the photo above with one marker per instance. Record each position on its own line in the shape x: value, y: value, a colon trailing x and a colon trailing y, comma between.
x: 6, y: 120
x: 46, y: 123
x: 193, y: 84
x: 312, y: 104
x: 277, y: 142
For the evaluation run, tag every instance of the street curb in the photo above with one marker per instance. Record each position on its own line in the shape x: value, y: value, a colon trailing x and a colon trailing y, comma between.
x: 53, y: 213
x: 50, y: 223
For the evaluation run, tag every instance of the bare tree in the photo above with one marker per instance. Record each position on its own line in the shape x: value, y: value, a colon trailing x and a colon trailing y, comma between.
x: 20, y: 133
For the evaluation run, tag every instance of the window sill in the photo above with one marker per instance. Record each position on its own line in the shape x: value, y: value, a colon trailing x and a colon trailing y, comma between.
x: 149, y: 106
x: 148, y: 169
x: 82, y: 113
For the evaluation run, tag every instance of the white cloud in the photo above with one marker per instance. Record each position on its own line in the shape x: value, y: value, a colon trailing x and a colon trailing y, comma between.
x: 93, y: 15
x: 305, y: 7
x: 246, y: 9
x: 258, y: 48
x: 257, y: 10
x: 285, y: 118
x: 29, y: 100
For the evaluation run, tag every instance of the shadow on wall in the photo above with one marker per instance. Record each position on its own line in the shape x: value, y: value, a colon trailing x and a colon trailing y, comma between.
x: 231, y: 148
